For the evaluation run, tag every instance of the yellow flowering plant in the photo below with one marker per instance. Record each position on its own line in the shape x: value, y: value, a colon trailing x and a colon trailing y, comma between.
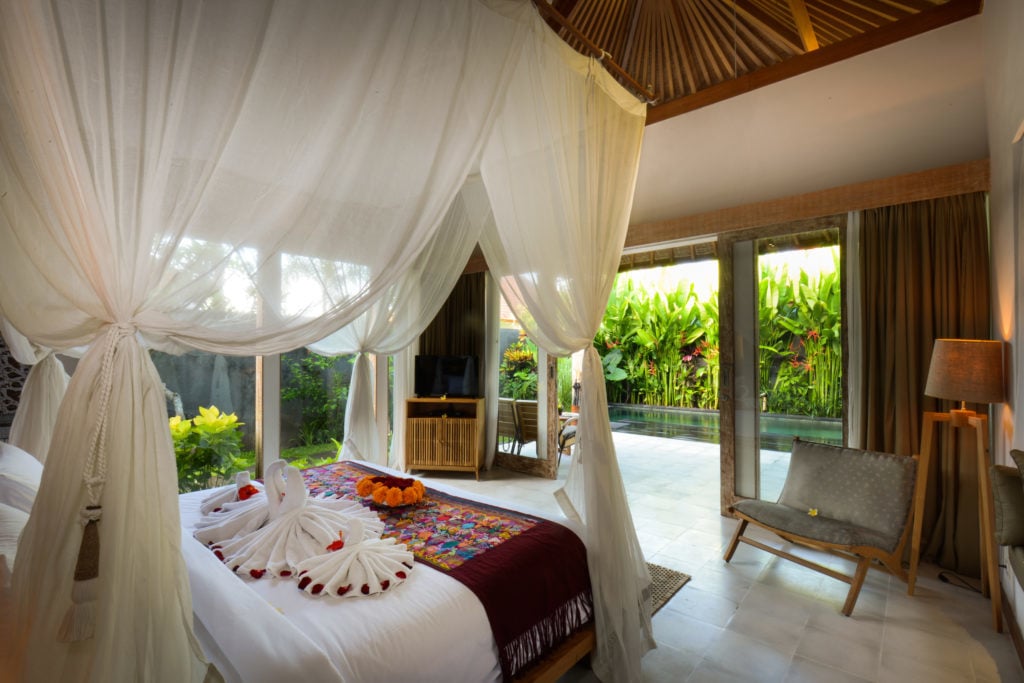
x: 207, y: 448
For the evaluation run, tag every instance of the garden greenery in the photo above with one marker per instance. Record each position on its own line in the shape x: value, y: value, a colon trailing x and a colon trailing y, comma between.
x: 321, y: 392
x: 517, y: 374
x: 662, y: 348
x: 207, y: 448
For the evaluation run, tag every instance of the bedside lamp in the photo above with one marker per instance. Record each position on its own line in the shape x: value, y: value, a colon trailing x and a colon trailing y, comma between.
x: 966, y: 370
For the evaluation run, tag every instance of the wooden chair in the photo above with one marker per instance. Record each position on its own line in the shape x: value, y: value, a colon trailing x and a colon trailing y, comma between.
x: 853, y: 503
x: 526, y: 420
x: 567, y: 436
x: 508, y: 430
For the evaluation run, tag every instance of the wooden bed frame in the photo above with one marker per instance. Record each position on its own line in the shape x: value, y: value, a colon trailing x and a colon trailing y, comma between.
x: 561, y: 659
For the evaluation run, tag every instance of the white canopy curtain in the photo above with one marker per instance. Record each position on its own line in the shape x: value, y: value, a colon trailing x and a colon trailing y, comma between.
x: 398, y: 317
x: 560, y: 171
x: 157, y: 161
x: 41, y: 396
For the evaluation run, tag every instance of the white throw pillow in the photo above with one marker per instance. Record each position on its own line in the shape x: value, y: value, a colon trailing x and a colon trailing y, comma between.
x: 19, y: 477
x: 12, y: 521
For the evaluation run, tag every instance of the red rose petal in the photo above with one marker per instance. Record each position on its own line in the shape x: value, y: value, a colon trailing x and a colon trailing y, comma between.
x: 247, y: 492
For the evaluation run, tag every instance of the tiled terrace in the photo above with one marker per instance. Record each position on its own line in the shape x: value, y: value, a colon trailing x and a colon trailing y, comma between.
x: 762, y: 619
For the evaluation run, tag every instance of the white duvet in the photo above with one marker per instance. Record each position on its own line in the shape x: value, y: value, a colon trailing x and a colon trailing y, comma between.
x: 430, y: 628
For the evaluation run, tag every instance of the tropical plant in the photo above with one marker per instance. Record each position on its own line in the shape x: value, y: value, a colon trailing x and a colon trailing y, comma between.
x: 662, y: 348
x: 565, y: 383
x: 312, y: 381
x: 815, y: 323
x: 517, y: 374
x: 207, y: 448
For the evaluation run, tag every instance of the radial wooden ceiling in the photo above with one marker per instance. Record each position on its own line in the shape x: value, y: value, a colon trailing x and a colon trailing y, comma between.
x: 690, y: 53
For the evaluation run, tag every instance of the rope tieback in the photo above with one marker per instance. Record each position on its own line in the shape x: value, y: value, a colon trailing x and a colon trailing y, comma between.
x: 80, y: 620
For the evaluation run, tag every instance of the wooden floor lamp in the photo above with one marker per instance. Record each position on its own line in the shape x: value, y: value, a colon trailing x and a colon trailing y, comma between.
x: 969, y: 371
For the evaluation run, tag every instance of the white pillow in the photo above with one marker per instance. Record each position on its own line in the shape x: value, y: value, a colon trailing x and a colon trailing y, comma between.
x: 12, y: 521
x: 19, y: 477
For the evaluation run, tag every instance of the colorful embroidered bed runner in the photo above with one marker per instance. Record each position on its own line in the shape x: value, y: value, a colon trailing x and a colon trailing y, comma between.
x: 529, y: 573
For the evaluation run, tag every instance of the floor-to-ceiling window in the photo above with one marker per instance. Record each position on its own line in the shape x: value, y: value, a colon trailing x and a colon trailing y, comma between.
x: 784, y: 350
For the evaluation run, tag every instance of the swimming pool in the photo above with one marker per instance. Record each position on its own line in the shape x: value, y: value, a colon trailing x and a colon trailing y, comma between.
x: 777, y: 431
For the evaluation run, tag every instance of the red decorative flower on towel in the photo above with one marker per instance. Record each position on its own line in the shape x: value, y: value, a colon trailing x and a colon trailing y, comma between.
x: 391, y: 491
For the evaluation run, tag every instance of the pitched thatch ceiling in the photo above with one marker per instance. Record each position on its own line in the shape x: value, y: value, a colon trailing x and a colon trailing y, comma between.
x: 690, y: 53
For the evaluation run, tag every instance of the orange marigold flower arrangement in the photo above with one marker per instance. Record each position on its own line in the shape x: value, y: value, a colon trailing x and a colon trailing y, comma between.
x: 391, y: 491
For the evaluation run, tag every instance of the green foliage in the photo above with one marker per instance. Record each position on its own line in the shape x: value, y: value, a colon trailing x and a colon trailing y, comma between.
x: 207, y: 448
x: 811, y: 327
x: 314, y: 455
x: 662, y: 348
x: 312, y: 381
x: 652, y: 346
x: 565, y: 383
x: 517, y: 374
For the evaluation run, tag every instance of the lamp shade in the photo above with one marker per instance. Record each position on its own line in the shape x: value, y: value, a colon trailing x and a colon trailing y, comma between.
x: 969, y: 370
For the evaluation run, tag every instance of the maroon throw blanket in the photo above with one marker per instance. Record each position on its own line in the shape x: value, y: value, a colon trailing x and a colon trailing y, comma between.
x: 529, y: 573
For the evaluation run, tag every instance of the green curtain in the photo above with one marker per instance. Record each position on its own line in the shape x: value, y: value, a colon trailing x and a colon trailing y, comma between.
x: 925, y: 275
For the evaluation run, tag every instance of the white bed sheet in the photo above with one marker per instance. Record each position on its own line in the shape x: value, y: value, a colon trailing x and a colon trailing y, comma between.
x: 430, y: 628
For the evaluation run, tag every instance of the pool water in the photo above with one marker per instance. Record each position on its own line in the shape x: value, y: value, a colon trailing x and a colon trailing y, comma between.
x: 777, y: 431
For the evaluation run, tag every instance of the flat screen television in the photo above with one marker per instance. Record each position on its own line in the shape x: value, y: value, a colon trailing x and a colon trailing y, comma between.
x: 452, y: 376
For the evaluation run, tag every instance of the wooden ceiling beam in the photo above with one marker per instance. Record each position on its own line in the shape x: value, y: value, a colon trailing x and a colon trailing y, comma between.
x: 803, y: 25
x: 942, y: 15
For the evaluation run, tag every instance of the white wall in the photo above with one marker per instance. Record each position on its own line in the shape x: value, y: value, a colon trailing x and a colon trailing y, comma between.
x: 1003, y: 22
x: 911, y: 106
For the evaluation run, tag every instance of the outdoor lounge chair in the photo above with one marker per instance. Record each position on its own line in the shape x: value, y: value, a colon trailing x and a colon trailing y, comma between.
x: 508, y: 430
x: 526, y: 421
x: 567, y: 436
x: 849, y: 502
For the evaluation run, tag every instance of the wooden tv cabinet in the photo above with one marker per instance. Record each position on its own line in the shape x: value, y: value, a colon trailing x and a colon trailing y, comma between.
x: 444, y: 434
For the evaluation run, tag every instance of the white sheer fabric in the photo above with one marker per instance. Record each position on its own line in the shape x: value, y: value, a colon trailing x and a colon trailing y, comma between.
x: 41, y: 396
x: 158, y: 159
x: 560, y: 171
x: 246, y: 177
x: 402, y: 313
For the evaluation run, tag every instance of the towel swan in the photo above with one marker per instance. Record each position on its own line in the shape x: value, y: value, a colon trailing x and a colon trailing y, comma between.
x: 298, y: 528
x: 365, y: 568
x: 226, y: 514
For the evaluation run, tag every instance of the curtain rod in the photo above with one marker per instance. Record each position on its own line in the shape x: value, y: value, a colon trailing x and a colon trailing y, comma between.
x: 551, y: 13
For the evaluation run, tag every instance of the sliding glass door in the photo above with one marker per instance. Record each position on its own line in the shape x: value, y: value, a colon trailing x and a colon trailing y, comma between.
x: 783, y: 351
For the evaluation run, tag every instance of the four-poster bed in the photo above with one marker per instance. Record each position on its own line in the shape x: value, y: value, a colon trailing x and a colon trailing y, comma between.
x: 155, y: 153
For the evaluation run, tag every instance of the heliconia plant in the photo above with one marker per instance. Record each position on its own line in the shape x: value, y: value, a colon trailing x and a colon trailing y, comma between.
x: 662, y: 348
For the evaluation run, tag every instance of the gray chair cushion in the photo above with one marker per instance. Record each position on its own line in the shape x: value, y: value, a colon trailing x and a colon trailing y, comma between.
x: 818, y: 528
x: 1017, y: 562
x: 1018, y: 458
x: 1008, y: 500
x: 865, y: 489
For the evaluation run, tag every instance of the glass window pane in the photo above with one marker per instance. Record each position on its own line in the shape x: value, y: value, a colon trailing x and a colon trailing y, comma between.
x: 314, y: 391
x: 212, y: 400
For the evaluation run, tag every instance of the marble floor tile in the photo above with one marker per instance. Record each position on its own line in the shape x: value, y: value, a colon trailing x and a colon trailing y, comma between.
x: 760, y: 619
